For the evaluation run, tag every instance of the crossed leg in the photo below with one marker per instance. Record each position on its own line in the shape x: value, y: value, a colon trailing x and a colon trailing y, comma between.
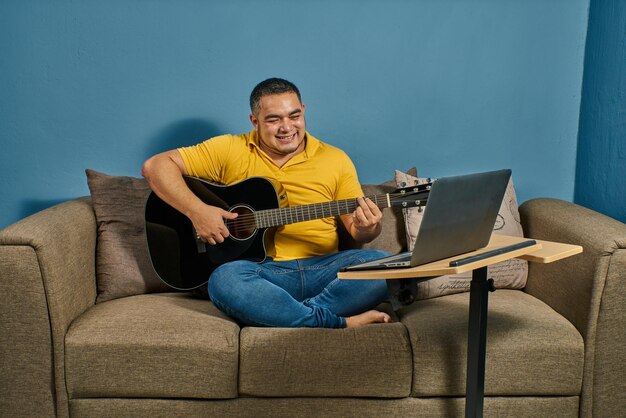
x: 299, y: 293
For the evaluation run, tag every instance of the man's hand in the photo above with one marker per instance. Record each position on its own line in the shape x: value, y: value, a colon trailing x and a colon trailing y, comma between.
x: 164, y: 173
x: 367, y: 216
x: 209, y: 222
x: 364, y: 223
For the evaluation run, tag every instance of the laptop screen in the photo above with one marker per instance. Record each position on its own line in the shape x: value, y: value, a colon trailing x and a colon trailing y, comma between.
x: 459, y: 215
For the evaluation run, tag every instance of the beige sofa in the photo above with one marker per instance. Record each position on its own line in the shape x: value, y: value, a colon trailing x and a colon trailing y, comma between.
x: 554, y: 349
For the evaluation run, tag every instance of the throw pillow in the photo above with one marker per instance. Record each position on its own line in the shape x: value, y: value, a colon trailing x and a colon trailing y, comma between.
x: 123, y: 266
x: 392, y: 236
x: 510, y: 274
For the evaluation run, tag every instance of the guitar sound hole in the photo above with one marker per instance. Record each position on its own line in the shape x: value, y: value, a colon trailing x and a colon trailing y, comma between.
x: 245, y: 225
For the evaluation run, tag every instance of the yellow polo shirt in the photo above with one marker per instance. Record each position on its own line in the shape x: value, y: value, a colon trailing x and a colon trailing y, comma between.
x: 320, y: 173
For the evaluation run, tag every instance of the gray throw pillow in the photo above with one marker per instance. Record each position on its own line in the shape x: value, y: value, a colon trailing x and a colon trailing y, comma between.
x: 123, y: 266
x: 392, y: 237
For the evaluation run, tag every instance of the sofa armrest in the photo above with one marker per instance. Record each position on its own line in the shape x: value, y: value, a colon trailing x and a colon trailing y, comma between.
x: 47, y: 279
x: 587, y: 289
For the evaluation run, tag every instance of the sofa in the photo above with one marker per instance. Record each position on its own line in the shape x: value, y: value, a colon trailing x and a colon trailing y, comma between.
x: 554, y: 348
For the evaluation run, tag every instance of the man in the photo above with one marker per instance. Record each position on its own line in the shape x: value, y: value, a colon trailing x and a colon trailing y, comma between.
x: 297, y: 285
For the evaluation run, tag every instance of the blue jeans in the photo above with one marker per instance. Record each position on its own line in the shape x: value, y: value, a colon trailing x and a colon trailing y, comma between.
x: 296, y: 293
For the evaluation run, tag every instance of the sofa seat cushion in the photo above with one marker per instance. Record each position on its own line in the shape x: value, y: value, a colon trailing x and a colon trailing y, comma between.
x: 531, y: 349
x: 371, y: 361
x: 160, y: 346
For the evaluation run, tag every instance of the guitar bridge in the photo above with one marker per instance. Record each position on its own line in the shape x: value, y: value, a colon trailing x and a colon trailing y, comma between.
x: 200, y: 245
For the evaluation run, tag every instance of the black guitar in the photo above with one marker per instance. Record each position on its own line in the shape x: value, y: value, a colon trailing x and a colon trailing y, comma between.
x: 184, y: 262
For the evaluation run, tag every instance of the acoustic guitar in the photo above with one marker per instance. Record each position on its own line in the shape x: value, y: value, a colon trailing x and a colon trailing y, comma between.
x: 185, y: 262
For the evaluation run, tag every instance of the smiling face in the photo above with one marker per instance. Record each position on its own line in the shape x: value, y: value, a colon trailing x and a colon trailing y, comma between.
x: 280, y: 126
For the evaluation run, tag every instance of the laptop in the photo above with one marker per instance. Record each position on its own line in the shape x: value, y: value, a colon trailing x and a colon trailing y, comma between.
x: 459, y: 217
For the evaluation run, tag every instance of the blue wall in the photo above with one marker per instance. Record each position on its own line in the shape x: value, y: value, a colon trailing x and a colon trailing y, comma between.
x: 448, y: 86
x: 601, y: 167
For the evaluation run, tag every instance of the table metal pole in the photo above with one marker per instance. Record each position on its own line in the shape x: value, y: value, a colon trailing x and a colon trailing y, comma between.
x: 477, y: 342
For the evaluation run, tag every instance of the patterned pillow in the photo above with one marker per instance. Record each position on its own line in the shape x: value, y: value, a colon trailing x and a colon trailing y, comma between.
x: 510, y: 274
x: 123, y: 266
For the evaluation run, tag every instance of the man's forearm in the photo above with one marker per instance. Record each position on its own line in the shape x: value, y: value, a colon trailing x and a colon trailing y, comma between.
x: 165, y: 178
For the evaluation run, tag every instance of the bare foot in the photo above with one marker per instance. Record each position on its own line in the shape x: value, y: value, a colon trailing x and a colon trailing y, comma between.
x: 369, y: 317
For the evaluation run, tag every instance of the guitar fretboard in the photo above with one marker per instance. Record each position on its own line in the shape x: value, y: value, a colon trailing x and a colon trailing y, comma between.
x: 289, y: 215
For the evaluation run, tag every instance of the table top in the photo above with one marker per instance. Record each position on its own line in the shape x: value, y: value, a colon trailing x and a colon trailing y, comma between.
x: 541, y: 252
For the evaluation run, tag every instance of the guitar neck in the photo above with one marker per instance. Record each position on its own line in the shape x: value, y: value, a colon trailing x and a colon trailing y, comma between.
x: 294, y: 214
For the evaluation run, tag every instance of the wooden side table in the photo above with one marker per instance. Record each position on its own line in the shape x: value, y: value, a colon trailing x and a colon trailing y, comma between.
x: 540, y: 252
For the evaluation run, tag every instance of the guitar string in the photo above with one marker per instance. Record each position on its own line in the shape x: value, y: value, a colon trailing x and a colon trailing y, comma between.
x: 276, y: 211
x: 377, y: 198
x: 250, y: 219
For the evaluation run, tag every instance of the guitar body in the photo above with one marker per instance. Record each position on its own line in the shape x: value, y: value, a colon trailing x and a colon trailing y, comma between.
x: 184, y: 262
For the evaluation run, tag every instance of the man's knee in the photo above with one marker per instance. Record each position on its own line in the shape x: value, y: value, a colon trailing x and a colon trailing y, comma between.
x: 228, y: 277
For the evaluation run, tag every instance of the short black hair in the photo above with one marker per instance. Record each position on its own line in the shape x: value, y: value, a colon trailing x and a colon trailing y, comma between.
x: 269, y: 87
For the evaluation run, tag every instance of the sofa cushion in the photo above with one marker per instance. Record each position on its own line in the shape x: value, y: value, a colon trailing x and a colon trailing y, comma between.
x: 246, y: 407
x: 123, y: 266
x: 156, y: 346
x: 531, y: 349
x: 509, y: 274
x: 371, y: 361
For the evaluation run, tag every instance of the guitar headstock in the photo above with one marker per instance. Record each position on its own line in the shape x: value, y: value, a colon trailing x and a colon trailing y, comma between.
x: 410, y: 197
